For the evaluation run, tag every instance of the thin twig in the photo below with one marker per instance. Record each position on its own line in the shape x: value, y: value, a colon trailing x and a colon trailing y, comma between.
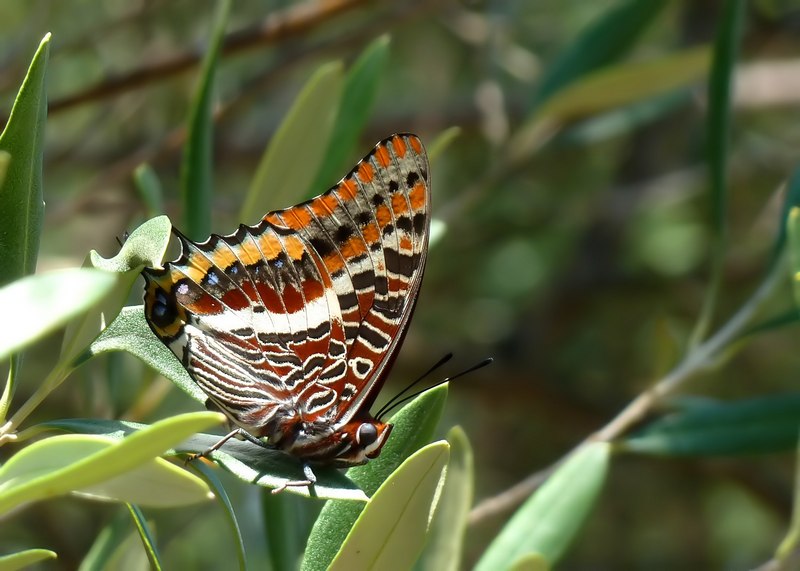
x: 291, y: 22
x: 701, y: 357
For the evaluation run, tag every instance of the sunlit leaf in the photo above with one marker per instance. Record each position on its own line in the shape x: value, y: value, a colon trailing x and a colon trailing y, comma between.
x: 549, y: 520
x: 72, y: 462
x: 407, y: 499
x: 39, y: 304
x: 21, y: 202
x: 446, y: 536
x: 147, y: 538
x: 26, y: 558
x: 292, y: 158
x: 414, y: 426
x: 358, y: 95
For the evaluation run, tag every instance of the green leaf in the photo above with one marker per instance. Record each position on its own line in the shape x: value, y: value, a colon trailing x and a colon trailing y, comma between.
x: 144, y: 247
x: 283, y: 529
x: 146, y: 537
x: 726, y: 49
x: 129, y: 332
x: 358, y: 95
x: 550, y: 519
x: 150, y: 190
x: 709, y: 428
x: 442, y: 141
x: 414, y: 426
x: 530, y: 562
x: 627, y: 83
x: 297, y: 150
x: 606, y: 40
x: 607, y: 89
x: 67, y: 463
x: 793, y: 228
x: 446, y: 535
x: 791, y: 202
x: 23, y: 559
x: 156, y: 483
x: 21, y: 202
x: 39, y: 304
x: 391, y: 530
x: 230, y: 516
x: 196, y: 170
x: 107, y: 542
x: 249, y: 462
x: 790, y: 542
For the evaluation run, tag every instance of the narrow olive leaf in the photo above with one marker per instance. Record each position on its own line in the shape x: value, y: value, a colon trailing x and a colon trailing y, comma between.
x: 442, y: 141
x: 291, y: 160
x: 414, y: 426
x: 550, y: 519
x: 156, y: 484
x: 358, y: 96
x: 129, y: 332
x: 793, y: 231
x: 150, y: 190
x: 106, y: 543
x: 196, y: 169
x: 530, y: 562
x: 603, y: 42
x: 613, y: 88
x: 39, y: 304
x: 128, y: 552
x: 230, y: 516
x: 70, y: 462
x: 753, y: 426
x: 720, y: 92
x: 446, y: 536
x: 791, y: 542
x: 718, y: 126
x: 626, y: 84
x: 791, y: 200
x: 625, y: 120
x: 249, y: 462
x: 5, y: 159
x: 283, y: 516
x: 144, y: 247
x: 146, y: 537
x: 391, y: 531
x: 26, y: 558
x: 21, y: 202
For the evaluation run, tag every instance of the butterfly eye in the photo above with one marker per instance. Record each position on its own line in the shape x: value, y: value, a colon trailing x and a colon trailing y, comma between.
x: 366, y: 434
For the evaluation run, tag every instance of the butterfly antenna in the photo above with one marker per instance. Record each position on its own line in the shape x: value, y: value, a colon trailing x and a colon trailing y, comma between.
x: 389, y: 404
x: 395, y: 402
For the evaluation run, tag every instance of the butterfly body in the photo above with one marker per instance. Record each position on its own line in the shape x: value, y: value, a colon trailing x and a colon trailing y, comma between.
x: 290, y: 326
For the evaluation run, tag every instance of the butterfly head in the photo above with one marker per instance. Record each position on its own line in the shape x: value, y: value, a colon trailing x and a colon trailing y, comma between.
x: 352, y: 444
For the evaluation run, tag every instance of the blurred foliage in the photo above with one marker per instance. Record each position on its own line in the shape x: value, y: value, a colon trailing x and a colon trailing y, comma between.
x: 581, y: 219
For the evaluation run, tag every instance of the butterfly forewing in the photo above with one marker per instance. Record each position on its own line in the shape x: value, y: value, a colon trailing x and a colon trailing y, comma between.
x: 300, y: 316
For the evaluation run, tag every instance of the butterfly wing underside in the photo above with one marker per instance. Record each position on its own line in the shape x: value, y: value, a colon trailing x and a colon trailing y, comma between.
x: 304, y: 312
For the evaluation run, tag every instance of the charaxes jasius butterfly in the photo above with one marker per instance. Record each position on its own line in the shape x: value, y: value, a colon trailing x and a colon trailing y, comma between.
x: 291, y: 326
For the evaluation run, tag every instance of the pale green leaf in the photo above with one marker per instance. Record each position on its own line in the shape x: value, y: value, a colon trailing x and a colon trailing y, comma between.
x: 391, y: 531
x: 39, y: 304
x: 297, y: 149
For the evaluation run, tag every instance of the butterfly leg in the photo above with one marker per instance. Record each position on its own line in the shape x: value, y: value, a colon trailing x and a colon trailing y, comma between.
x: 310, y: 480
x: 219, y: 444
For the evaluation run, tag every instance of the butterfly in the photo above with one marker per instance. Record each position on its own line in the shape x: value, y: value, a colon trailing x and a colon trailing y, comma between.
x: 291, y: 326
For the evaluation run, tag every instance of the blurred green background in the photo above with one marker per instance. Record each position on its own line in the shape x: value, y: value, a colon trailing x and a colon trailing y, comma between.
x: 576, y: 251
